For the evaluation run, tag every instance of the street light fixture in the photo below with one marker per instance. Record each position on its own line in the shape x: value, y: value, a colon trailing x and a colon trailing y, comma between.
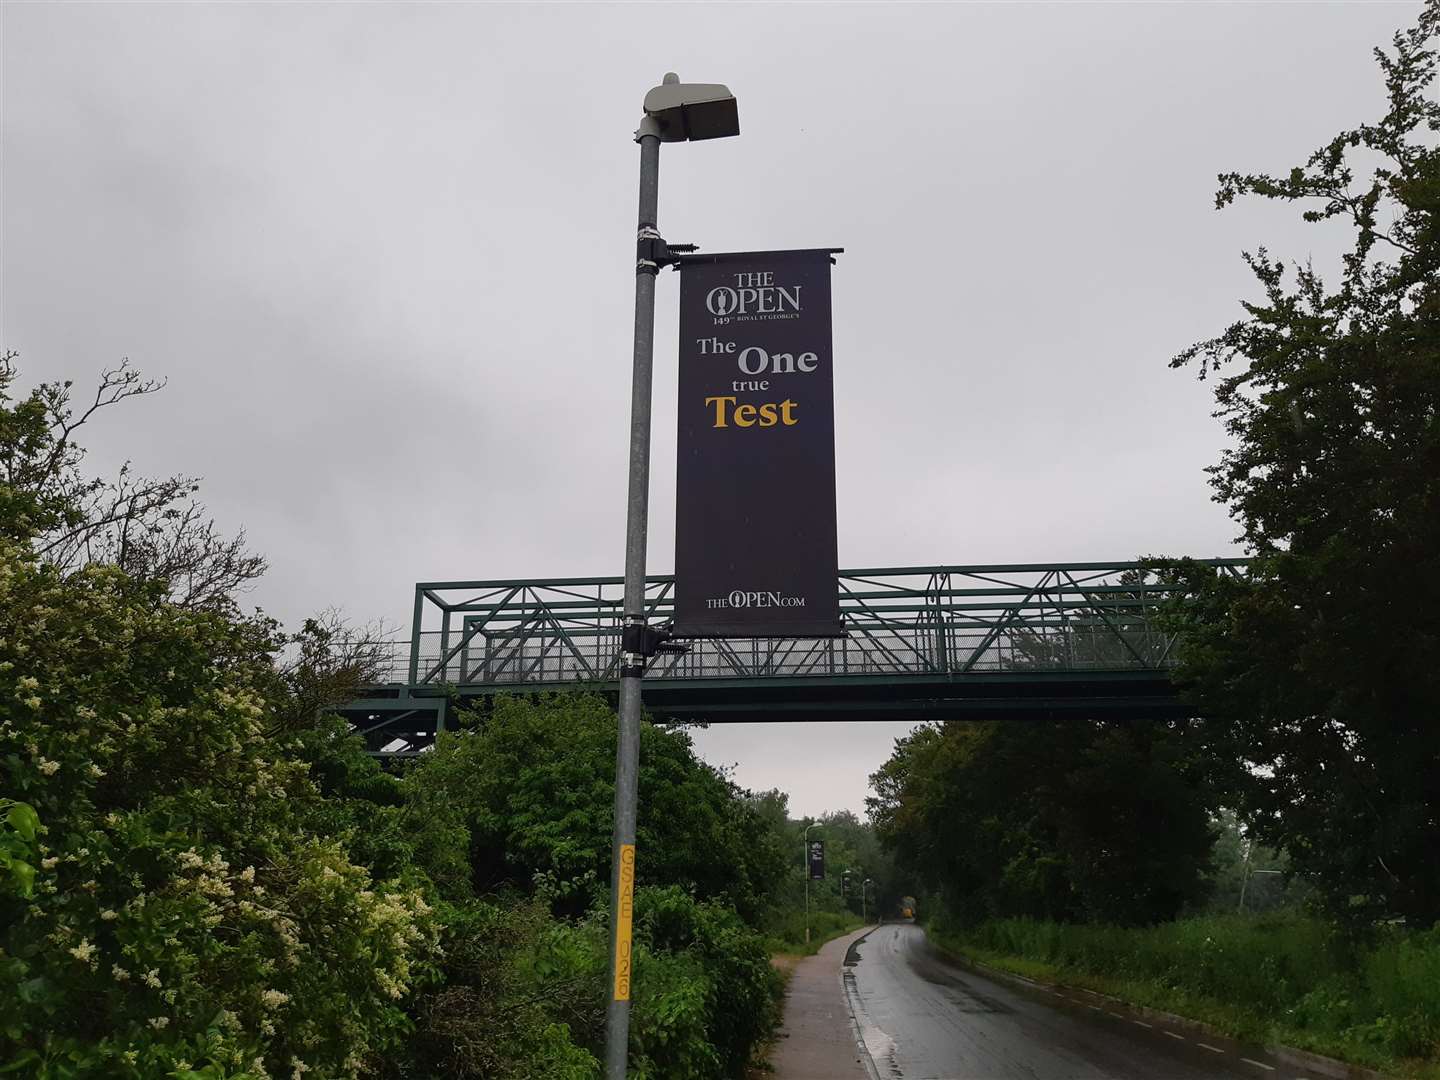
x: 674, y: 112
x: 692, y: 111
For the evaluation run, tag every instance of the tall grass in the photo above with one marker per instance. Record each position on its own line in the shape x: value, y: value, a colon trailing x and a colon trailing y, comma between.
x: 1281, y: 977
x: 786, y: 931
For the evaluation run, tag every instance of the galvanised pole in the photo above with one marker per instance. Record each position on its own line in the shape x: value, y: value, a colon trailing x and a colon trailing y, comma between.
x: 632, y: 665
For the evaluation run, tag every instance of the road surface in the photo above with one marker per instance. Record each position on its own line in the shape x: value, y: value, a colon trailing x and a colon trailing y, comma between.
x: 922, y: 1018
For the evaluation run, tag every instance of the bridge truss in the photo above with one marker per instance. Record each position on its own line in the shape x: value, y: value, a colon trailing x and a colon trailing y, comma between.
x: 943, y: 642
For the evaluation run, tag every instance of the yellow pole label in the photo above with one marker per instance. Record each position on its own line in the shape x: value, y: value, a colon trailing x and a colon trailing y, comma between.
x: 625, y: 910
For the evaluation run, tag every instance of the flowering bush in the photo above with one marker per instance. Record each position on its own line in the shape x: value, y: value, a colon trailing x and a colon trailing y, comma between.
x: 183, y: 919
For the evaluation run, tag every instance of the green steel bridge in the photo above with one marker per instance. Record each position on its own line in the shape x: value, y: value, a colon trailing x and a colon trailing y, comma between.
x: 921, y: 643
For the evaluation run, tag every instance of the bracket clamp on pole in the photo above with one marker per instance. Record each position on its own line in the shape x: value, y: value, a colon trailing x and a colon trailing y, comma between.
x: 651, y: 251
x: 639, y: 642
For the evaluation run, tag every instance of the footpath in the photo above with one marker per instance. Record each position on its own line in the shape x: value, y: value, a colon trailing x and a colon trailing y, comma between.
x: 817, y: 1034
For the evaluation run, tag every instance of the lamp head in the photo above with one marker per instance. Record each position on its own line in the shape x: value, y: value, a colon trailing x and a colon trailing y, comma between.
x: 692, y: 111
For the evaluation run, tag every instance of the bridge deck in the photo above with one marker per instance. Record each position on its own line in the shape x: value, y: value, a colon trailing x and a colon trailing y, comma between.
x: 922, y: 643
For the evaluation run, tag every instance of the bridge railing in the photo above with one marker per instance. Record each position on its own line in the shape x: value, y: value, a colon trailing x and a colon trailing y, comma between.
x: 947, y: 620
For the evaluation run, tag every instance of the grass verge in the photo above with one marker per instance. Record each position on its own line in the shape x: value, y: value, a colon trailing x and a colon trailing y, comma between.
x: 1269, y: 979
x: 789, y: 937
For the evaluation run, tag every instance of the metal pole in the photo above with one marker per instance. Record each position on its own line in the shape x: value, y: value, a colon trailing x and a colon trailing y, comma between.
x: 1244, y: 877
x: 632, y: 667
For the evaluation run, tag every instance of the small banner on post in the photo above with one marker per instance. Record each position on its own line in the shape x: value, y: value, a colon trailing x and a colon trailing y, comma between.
x: 816, y: 860
x: 755, y: 552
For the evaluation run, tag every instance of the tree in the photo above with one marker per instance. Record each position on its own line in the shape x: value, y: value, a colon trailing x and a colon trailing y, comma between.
x: 1325, y: 659
x: 151, y: 528
x: 1067, y: 820
x: 532, y: 783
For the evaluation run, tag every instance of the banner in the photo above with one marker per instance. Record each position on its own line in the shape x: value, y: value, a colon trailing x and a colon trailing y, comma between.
x: 816, y: 860
x: 755, y: 501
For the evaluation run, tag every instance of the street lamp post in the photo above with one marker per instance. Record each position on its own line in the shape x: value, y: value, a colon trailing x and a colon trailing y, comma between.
x: 674, y: 112
x: 864, y: 918
x: 1247, y: 873
x: 805, y: 848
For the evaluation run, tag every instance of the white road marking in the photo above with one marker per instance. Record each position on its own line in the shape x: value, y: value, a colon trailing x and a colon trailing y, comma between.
x: 1116, y: 1015
x: 1174, y: 1036
x: 1212, y: 1049
x: 1258, y: 1064
x: 1143, y: 1024
x: 1095, y: 1007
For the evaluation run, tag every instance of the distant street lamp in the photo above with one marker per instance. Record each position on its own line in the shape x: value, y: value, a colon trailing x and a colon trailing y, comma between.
x: 1246, y: 873
x: 674, y: 112
x: 864, y: 885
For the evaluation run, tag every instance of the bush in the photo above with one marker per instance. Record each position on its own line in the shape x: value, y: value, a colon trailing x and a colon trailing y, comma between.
x: 184, y: 917
x: 518, y: 997
x: 706, y: 992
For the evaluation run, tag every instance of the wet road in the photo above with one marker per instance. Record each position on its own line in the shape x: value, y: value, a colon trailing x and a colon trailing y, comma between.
x: 922, y: 1018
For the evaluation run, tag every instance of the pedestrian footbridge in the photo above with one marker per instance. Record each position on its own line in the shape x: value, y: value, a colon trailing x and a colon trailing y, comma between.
x: 1019, y: 641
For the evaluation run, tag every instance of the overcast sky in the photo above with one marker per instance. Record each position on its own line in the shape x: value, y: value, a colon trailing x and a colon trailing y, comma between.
x: 384, y: 255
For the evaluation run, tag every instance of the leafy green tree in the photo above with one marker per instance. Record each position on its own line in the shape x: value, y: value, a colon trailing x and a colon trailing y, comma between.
x: 152, y: 528
x: 1068, y: 820
x: 1325, y: 660
x: 533, y: 784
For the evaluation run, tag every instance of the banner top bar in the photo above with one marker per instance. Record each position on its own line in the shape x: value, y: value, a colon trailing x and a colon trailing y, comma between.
x: 737, y: 256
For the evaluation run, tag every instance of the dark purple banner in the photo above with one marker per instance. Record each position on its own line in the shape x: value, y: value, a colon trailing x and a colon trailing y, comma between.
x: 755, y: 502
x: 815, y: 859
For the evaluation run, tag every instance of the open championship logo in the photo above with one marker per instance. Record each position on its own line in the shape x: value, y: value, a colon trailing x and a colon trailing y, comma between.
x: 723, y: 301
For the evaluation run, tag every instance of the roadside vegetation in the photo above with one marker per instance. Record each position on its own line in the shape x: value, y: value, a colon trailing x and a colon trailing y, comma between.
x: 1273, y: 868
x: 203, y: 876
x: 1285, y: 977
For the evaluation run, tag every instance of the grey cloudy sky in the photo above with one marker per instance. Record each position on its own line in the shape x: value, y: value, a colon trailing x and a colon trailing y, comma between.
x: 383, y: 253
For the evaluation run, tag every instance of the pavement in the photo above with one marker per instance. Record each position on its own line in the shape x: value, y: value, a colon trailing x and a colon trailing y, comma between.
x: 921, y: 1017
x: 817, y: 1039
